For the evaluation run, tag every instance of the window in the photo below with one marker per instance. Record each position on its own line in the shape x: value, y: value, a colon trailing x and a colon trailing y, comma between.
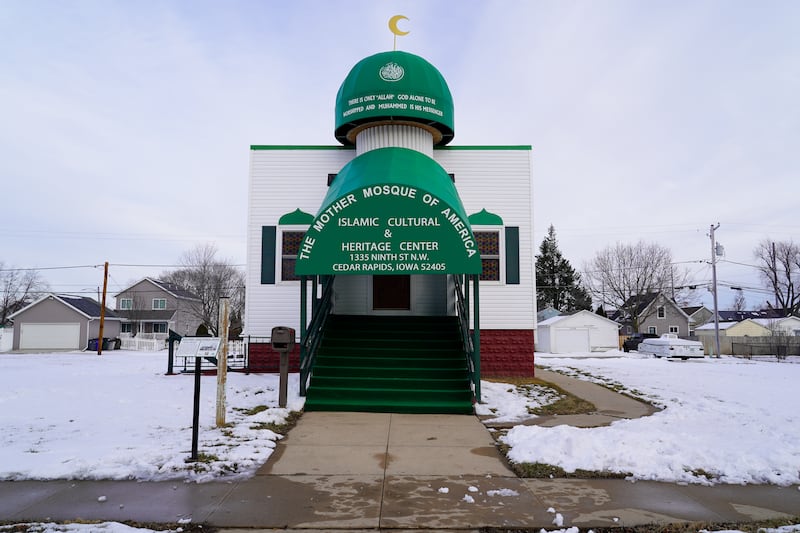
x: 489, y: 248
x: 159, y: 303
x: 126, y: 327
x: 673, y: 329
x: 290, y: 247
x: 661, y: 312
x: 652, y: 330
x: 159, y: 327
x: 126, y: 304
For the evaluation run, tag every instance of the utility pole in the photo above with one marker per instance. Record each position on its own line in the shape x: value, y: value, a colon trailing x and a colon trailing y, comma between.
x: 102, y: 311
x: 714, y: 282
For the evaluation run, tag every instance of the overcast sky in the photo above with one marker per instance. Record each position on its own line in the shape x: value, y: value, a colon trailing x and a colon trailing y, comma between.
x: 125, y: 126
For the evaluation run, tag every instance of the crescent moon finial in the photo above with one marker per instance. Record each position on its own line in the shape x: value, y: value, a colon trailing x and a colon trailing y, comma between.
x: 394, y: 29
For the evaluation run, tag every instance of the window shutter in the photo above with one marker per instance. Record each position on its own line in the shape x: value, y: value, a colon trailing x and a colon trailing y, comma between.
x: 268, y: 255
x: 512, y: 255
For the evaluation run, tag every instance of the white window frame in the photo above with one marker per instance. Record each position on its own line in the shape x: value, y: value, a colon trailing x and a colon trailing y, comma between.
x: 652, y: 330
x: 125, y: 304
x: 166, y: 327
x: 674, y: 329
x: 661, y: 312
x: 159, y: 307
x: 501, y: 259
x: 292, y: 228
x: 126, y: 327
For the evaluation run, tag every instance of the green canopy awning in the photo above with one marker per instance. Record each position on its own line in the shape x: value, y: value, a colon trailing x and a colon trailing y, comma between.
x: 390, y: 211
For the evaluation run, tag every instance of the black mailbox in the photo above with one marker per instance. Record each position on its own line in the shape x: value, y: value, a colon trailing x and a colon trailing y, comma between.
x: 282, y: 339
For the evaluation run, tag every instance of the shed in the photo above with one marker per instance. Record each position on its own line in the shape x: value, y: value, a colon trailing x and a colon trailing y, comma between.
x: 729, y: 332
x: 59, y: 322
x: 583, y: 331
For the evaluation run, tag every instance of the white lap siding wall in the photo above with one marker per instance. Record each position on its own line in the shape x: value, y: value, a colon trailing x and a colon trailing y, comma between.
x: 282, y: 180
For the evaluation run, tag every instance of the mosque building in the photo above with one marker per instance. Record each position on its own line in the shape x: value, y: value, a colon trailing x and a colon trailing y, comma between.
x: 404, y: 263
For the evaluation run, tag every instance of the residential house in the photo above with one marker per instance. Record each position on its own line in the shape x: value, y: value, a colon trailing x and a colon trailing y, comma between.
x: 57, y: 322
x: 698, y: 315
x: 657, y: 315
x: 787, y: 326
x: 583, y: 331
x: 153, y: 307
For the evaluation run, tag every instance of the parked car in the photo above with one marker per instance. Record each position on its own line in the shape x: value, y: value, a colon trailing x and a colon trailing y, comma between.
x: 669, y: 345
x: 632, y: 342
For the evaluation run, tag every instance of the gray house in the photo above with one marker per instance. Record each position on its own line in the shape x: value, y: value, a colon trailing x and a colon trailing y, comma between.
x: 153, y: 307
x: 659, y: 314
x: 59, y: 322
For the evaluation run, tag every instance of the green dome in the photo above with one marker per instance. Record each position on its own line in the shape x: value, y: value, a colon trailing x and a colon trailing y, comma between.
x: 394, y: 86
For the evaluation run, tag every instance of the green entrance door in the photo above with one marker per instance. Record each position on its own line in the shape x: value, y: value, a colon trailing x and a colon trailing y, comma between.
x: 391, y: 292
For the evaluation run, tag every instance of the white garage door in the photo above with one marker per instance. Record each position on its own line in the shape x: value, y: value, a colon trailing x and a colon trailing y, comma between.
x: 571, y: 340
x: 50, y: 336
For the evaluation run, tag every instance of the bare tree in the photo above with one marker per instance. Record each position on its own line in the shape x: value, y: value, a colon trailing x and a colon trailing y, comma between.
x: 210, y: 278
x: 779, y: 266
x: 625, y: 276
x: 18, y: 288
x: 739, y: 302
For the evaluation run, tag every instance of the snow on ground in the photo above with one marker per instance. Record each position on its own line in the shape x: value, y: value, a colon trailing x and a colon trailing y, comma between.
x: 512, y: 403
x: 724, y: 420
x: 117, y: 416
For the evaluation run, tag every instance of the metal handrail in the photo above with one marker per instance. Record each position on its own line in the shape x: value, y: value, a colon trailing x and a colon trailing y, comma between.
x: 462, y: 310
x: 313, y: 335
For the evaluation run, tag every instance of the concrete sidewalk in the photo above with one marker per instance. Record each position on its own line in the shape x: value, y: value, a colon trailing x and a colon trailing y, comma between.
x: 372, y: 471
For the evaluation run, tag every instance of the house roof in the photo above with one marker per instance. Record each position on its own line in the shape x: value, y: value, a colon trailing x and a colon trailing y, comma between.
x: 742, y: 315
x: 644, y: 302
x: 580, y: 315
x: 727, y: 325
x: 88, y: 307
x: 693, y: 309
x: 173, y: 289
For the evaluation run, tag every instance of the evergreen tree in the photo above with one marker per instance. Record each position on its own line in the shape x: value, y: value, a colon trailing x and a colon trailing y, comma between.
x: 558, y: 284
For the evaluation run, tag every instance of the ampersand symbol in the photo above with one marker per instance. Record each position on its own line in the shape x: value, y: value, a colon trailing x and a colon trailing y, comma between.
x: 387, y: 233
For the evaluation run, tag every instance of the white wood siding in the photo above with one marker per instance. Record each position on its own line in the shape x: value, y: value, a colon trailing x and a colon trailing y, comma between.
x: 500, y: 182
x: 284, y: 180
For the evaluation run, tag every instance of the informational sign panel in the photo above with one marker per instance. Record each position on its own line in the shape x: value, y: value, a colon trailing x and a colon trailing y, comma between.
x: 198, y: 347
x: 389, y: 229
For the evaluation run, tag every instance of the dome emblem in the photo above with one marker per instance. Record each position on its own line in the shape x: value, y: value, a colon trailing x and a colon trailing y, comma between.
x: 391, y: 71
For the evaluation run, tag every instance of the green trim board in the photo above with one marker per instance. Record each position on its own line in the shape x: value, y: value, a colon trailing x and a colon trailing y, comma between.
x: 390, y: 211
x: 512, y: 255
x: 524, y: 147
x: 259, y: 147
x: 268, y: 239
x: 485, y: 218
x: 483, y: 147
x: 296, y: 217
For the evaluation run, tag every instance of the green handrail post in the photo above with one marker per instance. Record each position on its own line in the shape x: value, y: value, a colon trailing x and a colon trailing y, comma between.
x: 477, y: 339
x: 303, y: 334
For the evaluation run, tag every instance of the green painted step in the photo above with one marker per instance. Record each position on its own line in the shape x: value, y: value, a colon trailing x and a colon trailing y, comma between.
x: 390, y: 364
x: 391, y: 383
x: 322, y: 370
x: 404, y: 406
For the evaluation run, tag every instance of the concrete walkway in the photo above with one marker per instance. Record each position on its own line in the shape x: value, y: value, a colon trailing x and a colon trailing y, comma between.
x: 368, y: 471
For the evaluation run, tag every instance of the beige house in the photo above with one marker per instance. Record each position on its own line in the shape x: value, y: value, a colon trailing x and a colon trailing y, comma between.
x: 152, y: 307
x: 729, y: 332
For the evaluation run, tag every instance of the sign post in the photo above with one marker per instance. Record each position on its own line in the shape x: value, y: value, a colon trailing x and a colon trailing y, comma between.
x: 282, y: 341
x: 222, y: 360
